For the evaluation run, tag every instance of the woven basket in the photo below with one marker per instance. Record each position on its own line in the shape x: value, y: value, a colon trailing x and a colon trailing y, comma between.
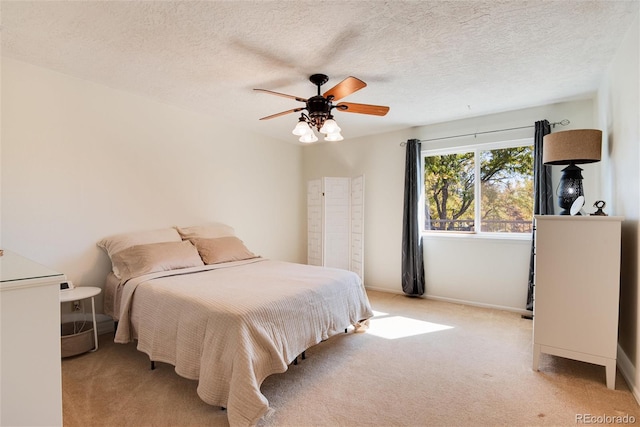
x: 76, y: 338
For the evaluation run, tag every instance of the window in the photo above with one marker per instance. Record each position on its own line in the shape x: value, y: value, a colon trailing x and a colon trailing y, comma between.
x: 489, y: 185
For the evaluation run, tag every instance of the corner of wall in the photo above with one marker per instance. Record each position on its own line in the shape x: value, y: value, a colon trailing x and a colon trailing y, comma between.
x: 628, y: 372
x: 618, y: 114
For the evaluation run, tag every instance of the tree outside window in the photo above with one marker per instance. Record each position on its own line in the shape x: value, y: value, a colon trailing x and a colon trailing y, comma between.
x: 500, y: 178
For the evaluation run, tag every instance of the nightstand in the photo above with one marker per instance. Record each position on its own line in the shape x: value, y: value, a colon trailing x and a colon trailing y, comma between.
x: 80, y: 293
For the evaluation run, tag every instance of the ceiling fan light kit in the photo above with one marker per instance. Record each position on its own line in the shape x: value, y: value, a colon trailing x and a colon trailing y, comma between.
x: 334, y: 137
x: 330, y: 126
x: 319, y: 109
x: 308, y: 137
x: 302, y: 128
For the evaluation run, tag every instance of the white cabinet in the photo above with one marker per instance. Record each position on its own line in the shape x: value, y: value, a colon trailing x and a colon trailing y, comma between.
x: 335, y: 223
x: 31, y: 389
x: 577, y: 288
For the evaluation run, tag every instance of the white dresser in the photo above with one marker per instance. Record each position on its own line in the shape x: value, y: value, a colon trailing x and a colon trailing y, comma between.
x: 577, y: 288
x: 31, y: 384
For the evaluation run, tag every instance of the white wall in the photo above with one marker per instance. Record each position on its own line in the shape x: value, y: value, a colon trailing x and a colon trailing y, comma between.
x: 81, y: 161
x: 480, y: 271
x: 619, y: 115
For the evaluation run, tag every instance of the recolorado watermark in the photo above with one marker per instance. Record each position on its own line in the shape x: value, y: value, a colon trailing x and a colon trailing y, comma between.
x: 605, y: 419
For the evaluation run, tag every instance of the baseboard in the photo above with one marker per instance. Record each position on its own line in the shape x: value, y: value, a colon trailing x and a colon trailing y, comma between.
x: 480, y: 304
x: 105, y: 323
x: 389, y: 291
x: 628, y: 372
x: 458, y: 301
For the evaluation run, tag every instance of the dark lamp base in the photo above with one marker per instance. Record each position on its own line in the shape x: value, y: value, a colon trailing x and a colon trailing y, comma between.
x: 569, y: 188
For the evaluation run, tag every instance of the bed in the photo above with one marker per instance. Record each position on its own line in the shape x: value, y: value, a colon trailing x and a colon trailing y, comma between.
x: 200, y: 300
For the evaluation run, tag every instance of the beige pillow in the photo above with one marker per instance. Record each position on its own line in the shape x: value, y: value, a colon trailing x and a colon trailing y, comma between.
x: 222, y: 249
x: 207, y: 231
x: 119, y: 242
x: 143, y: 259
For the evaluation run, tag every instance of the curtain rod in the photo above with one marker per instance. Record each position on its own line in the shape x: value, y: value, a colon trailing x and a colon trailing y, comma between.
x: 561, y: 122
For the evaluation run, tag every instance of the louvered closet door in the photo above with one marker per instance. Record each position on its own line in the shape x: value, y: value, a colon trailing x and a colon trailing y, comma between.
x: 314, y: 222
x: 357, y: 226
x: 337, y: 201
x: 335, y: 223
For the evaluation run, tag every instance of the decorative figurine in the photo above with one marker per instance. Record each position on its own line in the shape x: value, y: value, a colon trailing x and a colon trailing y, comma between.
x: 599, y: 205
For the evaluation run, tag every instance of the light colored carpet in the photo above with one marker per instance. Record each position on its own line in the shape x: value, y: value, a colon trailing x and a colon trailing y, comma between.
x: 463, y: 366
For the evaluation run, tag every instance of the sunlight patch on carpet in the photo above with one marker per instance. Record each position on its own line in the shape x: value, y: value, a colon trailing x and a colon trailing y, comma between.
x: 379, y: 313
x: 401, y: 327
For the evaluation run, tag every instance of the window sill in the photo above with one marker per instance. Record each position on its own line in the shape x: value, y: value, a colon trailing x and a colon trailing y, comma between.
x: 525, y: 237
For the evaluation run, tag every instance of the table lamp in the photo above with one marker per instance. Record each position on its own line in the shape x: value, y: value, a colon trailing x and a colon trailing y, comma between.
x: 571, y: 147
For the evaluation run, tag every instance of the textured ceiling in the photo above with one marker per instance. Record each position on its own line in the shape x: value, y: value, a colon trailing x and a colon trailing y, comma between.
x: 430, y: 61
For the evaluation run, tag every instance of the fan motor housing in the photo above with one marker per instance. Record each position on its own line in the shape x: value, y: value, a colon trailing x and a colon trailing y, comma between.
x: 318, y: 106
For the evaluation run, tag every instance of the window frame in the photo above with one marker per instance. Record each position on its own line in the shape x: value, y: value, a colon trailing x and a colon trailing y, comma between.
x: 475, y: 148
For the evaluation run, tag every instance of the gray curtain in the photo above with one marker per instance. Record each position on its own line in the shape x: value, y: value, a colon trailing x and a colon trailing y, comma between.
x: 412, y: 260
x: 542, y: 194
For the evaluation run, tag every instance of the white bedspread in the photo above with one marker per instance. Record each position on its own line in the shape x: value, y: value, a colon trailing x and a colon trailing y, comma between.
x: 232, y: 325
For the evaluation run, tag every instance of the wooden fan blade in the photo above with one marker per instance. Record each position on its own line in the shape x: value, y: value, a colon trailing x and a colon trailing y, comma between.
x: 344, y: 88
x: 351, y: 107
x: 273, y: 116
x: 297, y: 98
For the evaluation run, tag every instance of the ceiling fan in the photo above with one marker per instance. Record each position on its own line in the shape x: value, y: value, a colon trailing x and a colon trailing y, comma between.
x: 319, y: 108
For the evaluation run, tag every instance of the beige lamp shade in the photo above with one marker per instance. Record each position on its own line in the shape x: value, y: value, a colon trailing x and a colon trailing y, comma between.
x: 572, y: 146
